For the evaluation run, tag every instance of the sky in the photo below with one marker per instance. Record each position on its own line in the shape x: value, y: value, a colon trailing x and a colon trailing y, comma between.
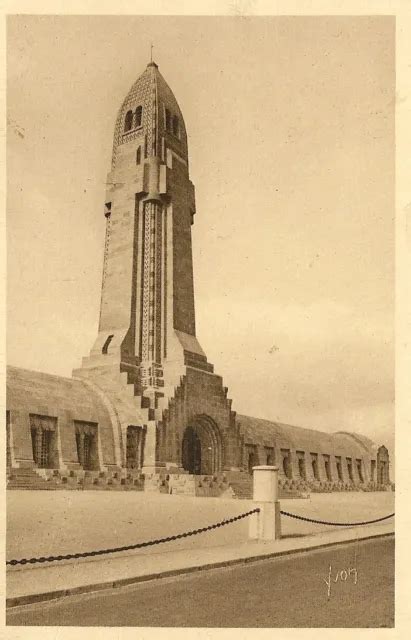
x: 290, y: 126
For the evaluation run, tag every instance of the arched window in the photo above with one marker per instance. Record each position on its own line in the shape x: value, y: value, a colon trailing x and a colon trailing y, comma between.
x: 128, y: 122
x: 138, y: 156
x: 139, y: 113
x: 176, y: 128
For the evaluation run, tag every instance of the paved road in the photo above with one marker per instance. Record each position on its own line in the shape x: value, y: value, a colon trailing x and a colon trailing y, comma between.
x: 295, y: 591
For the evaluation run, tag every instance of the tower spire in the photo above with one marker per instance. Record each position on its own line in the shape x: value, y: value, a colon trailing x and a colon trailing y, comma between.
x: 151, y: 52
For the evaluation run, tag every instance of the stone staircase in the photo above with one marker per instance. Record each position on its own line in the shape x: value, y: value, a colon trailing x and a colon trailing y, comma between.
x: 52, y: 479
x: 22, y: 479
x: 182, y: 484
x: 186, y: 484
x: 241, y: 485
x: 289, y: 493
x: 156, y: 483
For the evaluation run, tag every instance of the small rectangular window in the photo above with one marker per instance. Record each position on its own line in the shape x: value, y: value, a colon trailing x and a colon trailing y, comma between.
x: 359, y: 469
x: 327, y: 467
x: 349, y: 467
x: 286, y: 460
x: 269, y: 455
x: 86, y: 443
x: 301, y: 464
x: 339, y: 468
x: 252, y: 457
x: 43, y: 439
x: 314, y: 465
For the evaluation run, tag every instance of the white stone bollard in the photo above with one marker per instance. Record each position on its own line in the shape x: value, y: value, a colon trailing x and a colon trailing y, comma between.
x: 265, y: 525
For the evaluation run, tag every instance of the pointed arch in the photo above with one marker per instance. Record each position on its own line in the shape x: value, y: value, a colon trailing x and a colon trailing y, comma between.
x: 202, y: 446
x: 139, y: 116
x: 128, y: 122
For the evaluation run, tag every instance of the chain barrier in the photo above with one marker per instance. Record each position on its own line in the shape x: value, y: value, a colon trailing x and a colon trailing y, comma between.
x: 336, y: 524
x: 129, y: 547
x: 149, y: 543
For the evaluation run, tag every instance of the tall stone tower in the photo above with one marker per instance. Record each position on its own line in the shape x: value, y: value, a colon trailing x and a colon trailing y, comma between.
x: 146, y: 359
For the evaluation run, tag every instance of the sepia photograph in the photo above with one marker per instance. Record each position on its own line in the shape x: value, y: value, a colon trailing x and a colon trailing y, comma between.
x: 200, y: 376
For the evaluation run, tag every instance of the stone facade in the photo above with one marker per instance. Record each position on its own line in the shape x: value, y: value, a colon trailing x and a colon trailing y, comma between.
x: 312, y: 459
x: 39, y: 402
x: 146, y: 399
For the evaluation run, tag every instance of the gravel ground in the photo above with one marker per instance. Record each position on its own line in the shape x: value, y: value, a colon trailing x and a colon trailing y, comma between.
x: 59, y: 522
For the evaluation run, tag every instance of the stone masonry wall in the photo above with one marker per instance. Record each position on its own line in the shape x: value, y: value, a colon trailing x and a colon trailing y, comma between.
x: 33, y: 393
x: 182, y: 209
x: 200, y: 394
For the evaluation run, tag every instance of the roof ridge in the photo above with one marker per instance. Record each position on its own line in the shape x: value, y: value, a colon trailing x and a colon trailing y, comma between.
x: 353, y: 434
x: 43, y: 373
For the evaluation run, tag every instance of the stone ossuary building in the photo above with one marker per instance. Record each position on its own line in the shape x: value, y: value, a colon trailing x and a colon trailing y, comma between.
x: 145, y: 409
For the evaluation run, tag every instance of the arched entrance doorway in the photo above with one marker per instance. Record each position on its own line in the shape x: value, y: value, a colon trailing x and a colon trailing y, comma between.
x: 202, y: 447
x: 191, y: 451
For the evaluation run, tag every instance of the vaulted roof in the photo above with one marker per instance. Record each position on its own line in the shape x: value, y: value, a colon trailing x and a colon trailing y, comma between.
x: 46, y: 394
x: 267, y: 433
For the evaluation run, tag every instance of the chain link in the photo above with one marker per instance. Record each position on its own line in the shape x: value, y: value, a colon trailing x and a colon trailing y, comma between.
x: 336, y: 524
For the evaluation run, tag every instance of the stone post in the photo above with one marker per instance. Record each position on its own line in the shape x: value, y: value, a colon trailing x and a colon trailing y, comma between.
x: 265, y: 525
